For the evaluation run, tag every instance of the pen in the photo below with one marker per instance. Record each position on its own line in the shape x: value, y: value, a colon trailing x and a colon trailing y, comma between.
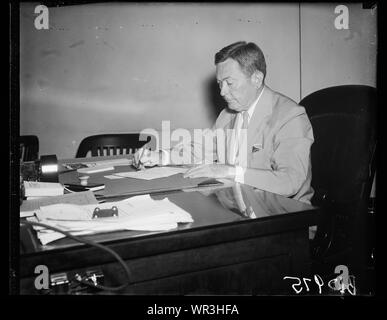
x: 139, y: 166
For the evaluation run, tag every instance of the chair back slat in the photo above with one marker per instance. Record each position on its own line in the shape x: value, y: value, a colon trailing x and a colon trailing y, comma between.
x: 110, y: 144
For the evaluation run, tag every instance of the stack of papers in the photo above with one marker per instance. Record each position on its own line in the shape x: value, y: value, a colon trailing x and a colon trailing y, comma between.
x: 29, y: 207
x: 137, y: 213
x: 42, y: 189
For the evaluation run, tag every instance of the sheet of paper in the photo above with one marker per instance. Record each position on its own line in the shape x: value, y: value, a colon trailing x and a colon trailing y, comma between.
x: 42, y: 189
x: 79, y: 198
x: 152, y: 173
x: 25, y: 214
x: 141, y: 209
x: 95, y: 169
x: 64, y: 211
x: 113, y: 177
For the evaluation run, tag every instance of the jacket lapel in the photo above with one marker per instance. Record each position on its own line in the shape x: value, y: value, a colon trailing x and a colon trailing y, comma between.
x: 262, y: 110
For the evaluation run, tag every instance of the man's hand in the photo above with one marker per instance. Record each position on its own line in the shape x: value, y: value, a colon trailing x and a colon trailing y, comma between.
x: 147, y: 158
x: 211, y: 171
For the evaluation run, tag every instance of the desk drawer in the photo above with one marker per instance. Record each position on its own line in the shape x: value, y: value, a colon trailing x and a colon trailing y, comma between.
x: 252, y: 265
x: 262, y: 276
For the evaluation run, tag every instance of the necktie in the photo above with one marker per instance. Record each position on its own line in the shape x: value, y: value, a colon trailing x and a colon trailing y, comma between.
x: 242, y: 136
x: 245, y: 117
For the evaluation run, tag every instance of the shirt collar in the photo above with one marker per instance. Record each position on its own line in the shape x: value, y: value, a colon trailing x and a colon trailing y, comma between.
x: 252, y: 107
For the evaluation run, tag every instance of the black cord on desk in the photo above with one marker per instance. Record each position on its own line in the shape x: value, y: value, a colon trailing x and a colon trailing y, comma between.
x: 94, y: 244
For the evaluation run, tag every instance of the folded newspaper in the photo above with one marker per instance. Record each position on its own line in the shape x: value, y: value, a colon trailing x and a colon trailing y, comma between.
x: 137, y: 213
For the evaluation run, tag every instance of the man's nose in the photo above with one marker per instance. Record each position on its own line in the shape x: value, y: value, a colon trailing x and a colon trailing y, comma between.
x: 224, y: 90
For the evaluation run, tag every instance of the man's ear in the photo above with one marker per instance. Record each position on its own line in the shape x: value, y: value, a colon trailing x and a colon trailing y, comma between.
x: 257, y: 78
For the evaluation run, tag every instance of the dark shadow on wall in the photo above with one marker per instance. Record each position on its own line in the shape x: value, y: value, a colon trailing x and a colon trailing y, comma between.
x: 213, y: 97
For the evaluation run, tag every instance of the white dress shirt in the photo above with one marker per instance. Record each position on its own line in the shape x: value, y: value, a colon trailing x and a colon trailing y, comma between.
x: 239, y: 170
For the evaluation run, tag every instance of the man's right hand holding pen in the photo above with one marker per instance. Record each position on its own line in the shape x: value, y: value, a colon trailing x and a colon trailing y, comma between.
x: 148, y: 158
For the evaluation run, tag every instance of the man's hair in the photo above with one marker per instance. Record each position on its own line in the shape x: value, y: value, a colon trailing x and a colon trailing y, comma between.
x: 249, y: 56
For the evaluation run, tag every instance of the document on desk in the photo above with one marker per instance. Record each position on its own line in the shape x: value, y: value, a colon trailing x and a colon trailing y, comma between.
x: 136, y: 213
x: 29, y: 207
x: 152, y: 173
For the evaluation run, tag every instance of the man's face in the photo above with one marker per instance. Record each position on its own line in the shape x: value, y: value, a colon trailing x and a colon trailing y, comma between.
x: 238, y: 89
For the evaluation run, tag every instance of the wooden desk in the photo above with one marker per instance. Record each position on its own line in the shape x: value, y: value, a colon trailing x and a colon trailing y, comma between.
x: 223, y: 251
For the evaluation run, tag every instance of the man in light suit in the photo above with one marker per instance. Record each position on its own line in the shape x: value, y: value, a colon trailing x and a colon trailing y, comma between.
x: 272, y: 136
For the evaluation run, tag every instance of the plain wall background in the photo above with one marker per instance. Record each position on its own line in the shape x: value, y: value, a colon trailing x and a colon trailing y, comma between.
x: 124, y: 67
x: 331, y: 57
x: 105, y: 68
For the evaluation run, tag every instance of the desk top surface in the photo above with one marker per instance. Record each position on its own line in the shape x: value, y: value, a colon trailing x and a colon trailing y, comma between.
x: 210, y: 207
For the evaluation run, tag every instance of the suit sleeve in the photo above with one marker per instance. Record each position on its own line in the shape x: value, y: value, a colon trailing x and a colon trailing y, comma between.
x: 289, y: 163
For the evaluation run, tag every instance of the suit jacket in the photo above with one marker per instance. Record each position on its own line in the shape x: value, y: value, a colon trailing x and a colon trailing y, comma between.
x: 279, y: 138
